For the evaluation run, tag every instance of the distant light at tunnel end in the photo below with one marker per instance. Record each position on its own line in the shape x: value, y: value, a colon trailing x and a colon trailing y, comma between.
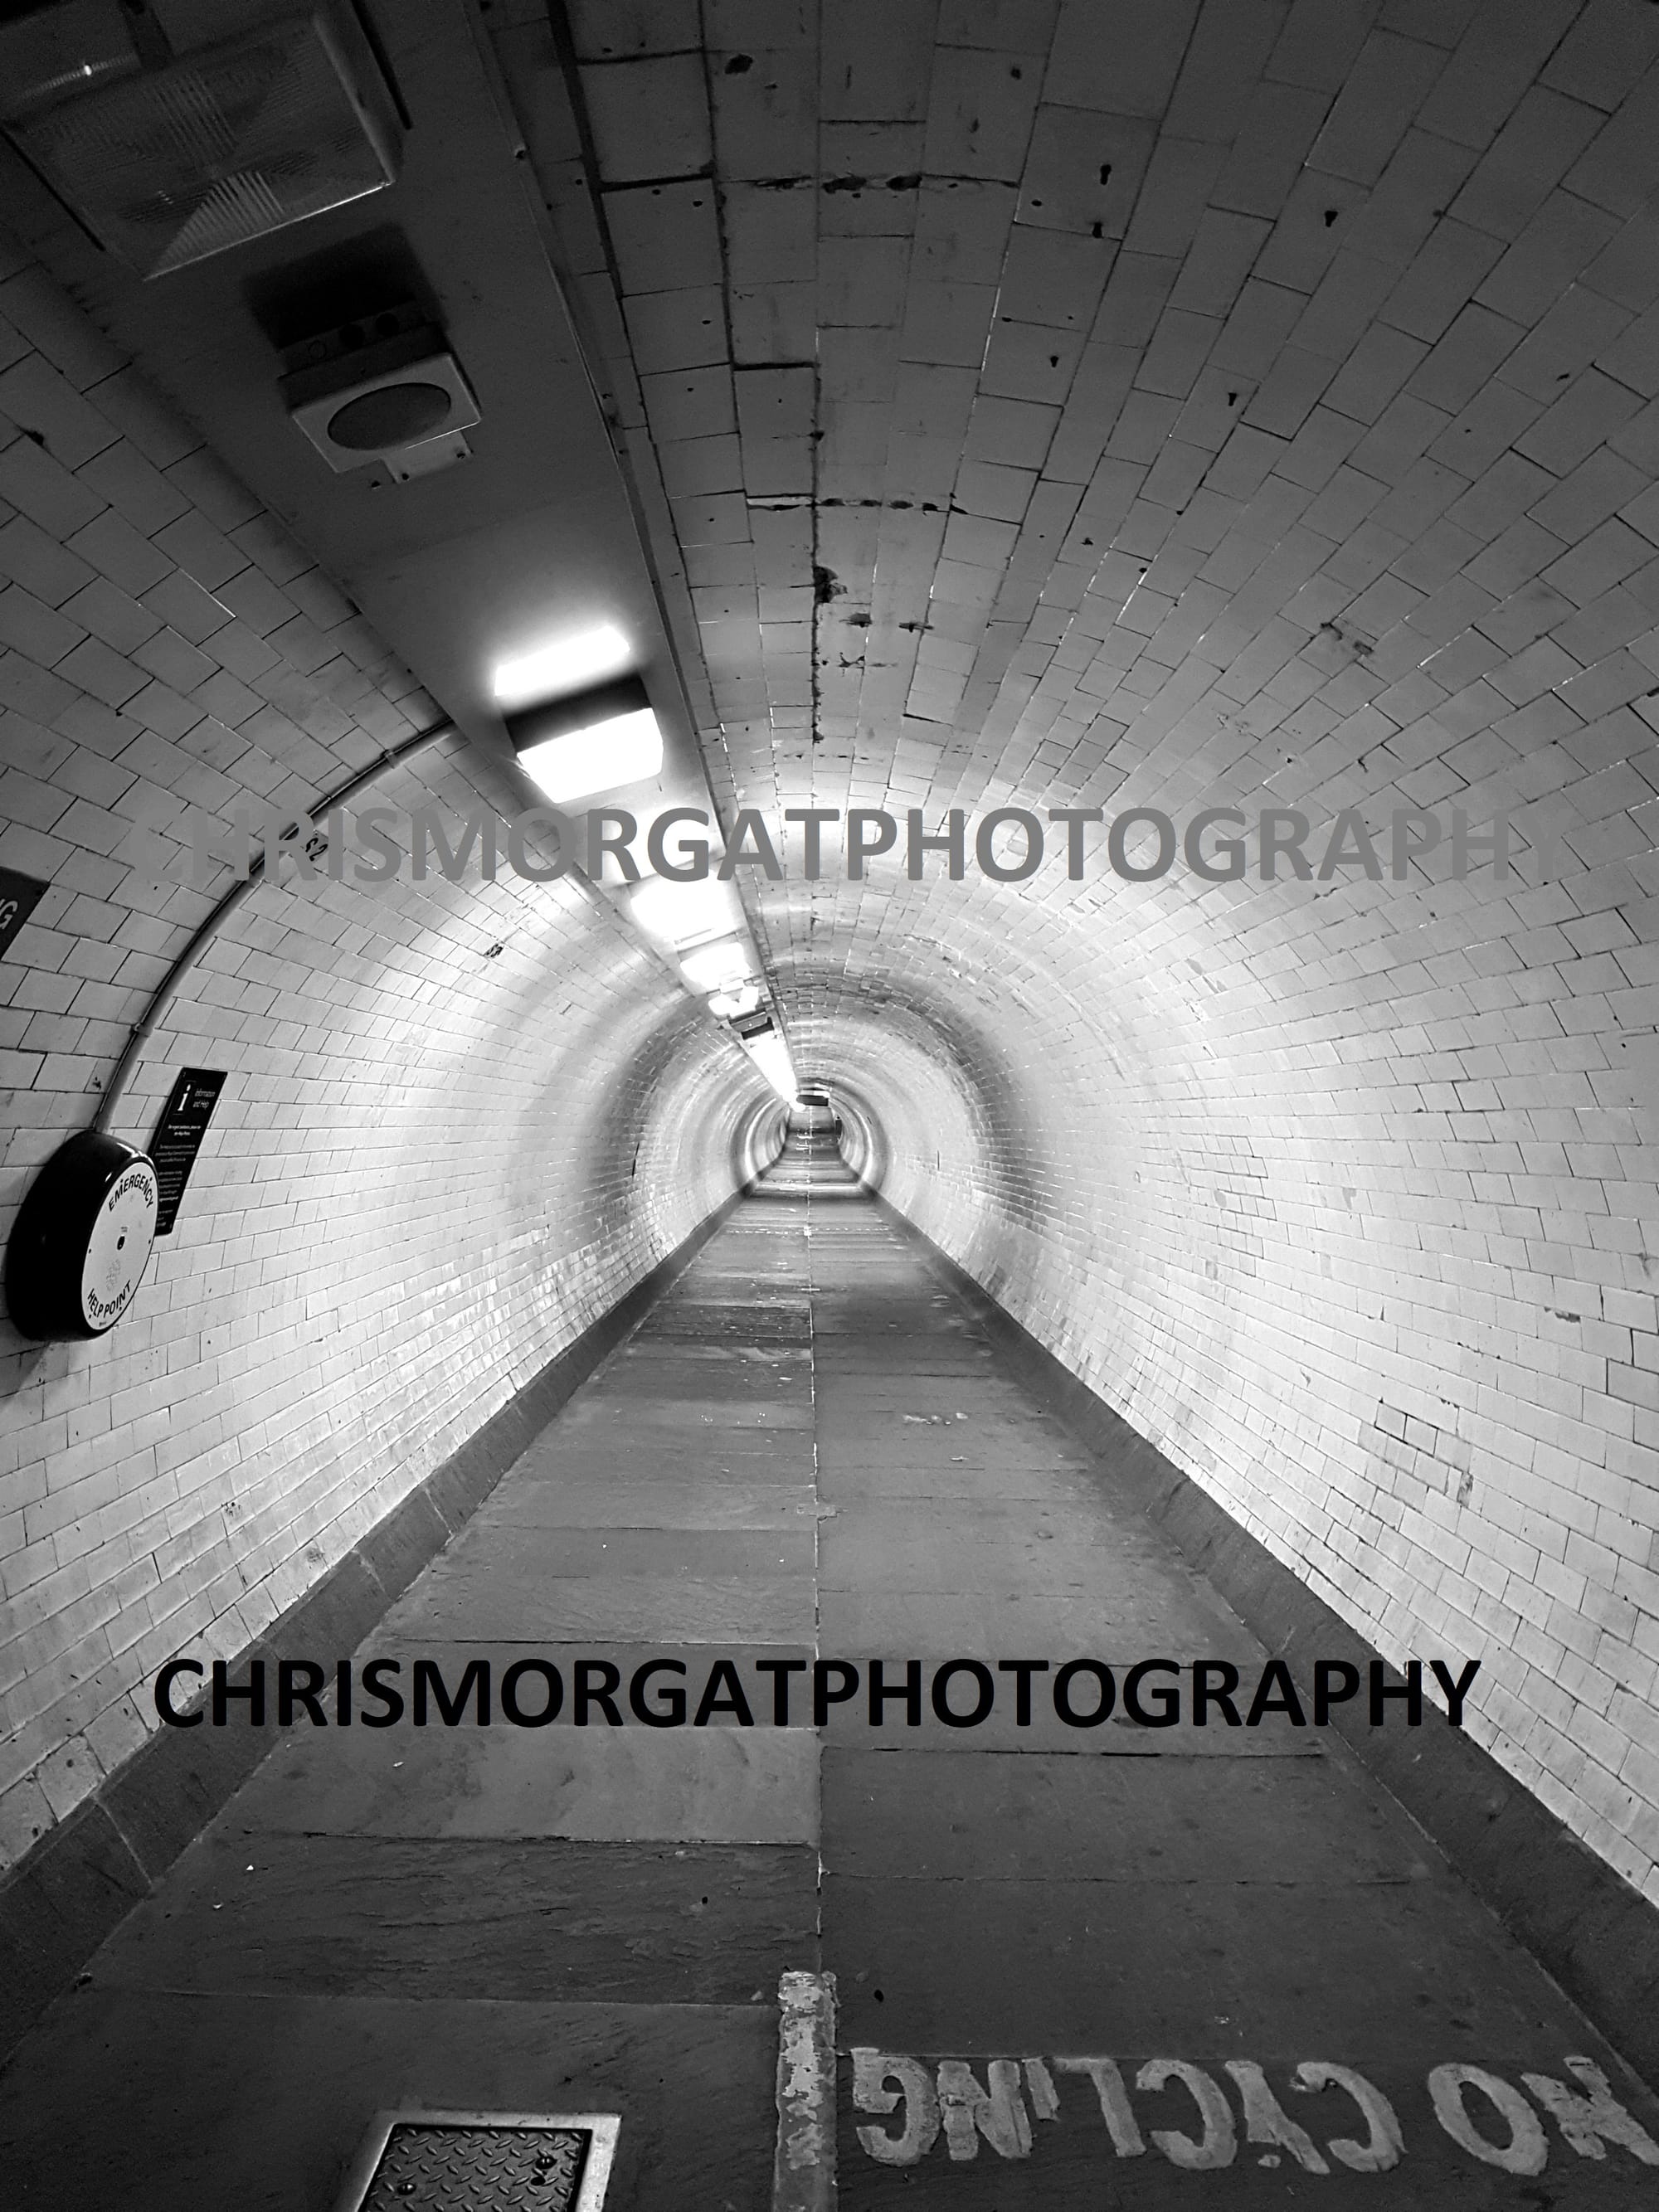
x: 602, y: 756
x: 562, y: 666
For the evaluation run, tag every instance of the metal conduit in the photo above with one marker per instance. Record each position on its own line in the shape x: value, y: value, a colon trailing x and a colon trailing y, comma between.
x: 167, y: 990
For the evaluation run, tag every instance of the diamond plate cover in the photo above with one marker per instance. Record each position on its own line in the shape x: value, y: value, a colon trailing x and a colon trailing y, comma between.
x: 446, y: 2169
x: 444, y: 2165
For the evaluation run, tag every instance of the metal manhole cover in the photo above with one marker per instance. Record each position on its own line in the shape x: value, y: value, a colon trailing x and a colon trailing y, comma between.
x: 482, y: 2162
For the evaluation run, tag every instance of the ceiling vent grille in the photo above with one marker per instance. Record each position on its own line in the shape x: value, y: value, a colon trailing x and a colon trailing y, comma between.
x: 169, y: 165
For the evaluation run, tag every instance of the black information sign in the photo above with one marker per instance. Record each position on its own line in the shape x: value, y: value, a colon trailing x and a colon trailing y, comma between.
x: 19, y: 896
x: 179, y: 1135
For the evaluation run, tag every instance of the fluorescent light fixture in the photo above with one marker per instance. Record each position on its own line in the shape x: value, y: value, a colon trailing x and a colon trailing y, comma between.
x: 560, y: 666
x: 771, y: 1056
x: 718, y: 967
x: 730, y: 1005
x: 594, y: 740
x: 679, y: 914
x: 627, y: 749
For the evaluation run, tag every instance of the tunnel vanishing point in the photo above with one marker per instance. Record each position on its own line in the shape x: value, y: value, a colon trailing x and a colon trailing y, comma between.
x: 886, y: 1431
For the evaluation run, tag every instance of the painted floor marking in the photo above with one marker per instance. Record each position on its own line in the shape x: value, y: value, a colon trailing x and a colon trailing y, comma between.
x: 1484, y: 2114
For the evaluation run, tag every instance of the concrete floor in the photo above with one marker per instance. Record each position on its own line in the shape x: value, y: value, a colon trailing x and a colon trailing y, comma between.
x: 809, y: 1447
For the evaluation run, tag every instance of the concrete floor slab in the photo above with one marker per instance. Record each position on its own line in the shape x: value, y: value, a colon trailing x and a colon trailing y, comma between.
x: 1011, y: 1623
x: 940, y: 1353
x: 700, y: 1661
x: 928, y: 1549
x: 862, y: 1403
x: 1081, y: 1521
x: 690, y: 1500
x: 877, y: 1478
x: 681, y: 1416
x: 730, y: 1324
x: 1335, y: 1966
x: 780, y: 1373
x: 748, y: 1455
x: 463, y: 1917
x: 842, y: 1458
x: 255, y: 2104
x: 559, y: 1552
x: 601, y: 1913
x: 491, y: 1602
x: 722, y: 1786
x: 971, y: 1814
x: 659, y: 1348
x: 1117, y: 1738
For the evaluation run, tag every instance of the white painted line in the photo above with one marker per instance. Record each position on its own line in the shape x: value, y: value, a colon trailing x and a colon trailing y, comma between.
x: 804, y: 2166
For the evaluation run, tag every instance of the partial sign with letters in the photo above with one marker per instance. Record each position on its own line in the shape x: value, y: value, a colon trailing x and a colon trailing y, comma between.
x: 19, y: 896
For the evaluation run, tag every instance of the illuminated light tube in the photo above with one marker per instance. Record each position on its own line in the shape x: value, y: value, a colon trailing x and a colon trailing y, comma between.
x: 718, y: 967
x: 560, y: 666
x: 771, y: 1055
x: 594, y: 740
x: 677, y: 914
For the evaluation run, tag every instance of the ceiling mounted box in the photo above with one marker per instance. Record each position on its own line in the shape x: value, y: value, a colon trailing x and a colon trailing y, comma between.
x: 405, y: 402
x: 167, y: 165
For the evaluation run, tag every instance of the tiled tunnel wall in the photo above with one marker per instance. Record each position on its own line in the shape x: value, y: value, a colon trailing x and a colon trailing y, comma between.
x: 1336, y: 1193
x: 1255, y: 405
x: 460, y: 1121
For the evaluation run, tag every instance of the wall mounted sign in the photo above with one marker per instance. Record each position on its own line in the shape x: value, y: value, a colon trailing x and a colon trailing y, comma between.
x: 81, y: 1240
x: 179, y: 1134
x: 19, y: 896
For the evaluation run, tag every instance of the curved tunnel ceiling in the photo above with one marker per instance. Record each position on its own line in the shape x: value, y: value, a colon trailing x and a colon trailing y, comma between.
x: 1258, y: 407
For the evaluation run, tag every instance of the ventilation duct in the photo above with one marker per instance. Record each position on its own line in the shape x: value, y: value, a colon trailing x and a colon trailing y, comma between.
x: 169, y: 159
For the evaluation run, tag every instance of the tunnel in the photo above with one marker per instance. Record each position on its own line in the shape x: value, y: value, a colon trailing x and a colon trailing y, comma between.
x: 828, y: 1051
